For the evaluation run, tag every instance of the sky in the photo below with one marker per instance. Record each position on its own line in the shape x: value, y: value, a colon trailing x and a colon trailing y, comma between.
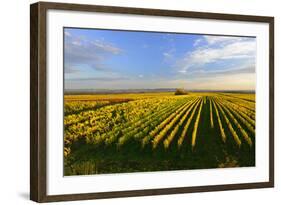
x: 111, y: 59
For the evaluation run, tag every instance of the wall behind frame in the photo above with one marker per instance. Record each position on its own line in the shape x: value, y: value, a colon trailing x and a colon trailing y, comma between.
x: 14, y: 87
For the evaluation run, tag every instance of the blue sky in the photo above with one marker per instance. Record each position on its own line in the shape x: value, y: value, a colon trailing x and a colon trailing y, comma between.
x: 107, y: 59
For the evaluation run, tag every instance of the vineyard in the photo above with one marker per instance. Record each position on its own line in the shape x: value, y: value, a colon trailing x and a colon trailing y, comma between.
x: 118, y: 133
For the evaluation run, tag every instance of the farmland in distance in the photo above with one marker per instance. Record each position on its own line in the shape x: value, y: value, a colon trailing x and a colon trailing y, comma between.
x: 138, y: 132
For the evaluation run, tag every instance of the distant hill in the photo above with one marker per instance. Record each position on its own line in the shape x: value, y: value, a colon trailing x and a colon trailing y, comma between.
x: 105, y: 91
x: 156, y: 90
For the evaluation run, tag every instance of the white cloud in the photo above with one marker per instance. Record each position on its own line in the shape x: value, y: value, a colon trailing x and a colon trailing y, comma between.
x: 67, y: 33
x: 230, y: 51
x: 221, y: 39
x: 217, y: 49
x: 167, y: 55
x: 182, y: 71
x: 106, y: 47
x: 197, y: 42
x: 92, y: 53
x: 70, y: 69
x: 77, y: 43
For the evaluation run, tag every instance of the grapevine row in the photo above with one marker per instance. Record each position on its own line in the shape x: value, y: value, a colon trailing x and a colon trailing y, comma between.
x: 223, y: 136
x: 142, y: 131
x: 140, y: 125
x: 243, y: 118
x: 169, y: 139
x: 244, y: 133
x: 168, y: 126
x: 194, y: 133
x: 185, y: 128
x: 211, y: 114
x: 234, y: 134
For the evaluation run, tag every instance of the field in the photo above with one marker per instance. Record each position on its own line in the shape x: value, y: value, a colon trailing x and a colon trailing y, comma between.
x: 119, y: 133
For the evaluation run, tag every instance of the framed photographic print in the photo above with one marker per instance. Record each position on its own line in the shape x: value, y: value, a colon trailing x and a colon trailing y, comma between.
x: 134, y: 102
